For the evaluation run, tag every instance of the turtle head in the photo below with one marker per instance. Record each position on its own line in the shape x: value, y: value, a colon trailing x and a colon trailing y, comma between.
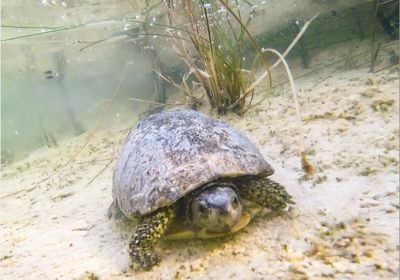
x: 216, y: 208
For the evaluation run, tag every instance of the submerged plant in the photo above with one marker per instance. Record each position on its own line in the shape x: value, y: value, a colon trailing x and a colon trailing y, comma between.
x: 219, y: 39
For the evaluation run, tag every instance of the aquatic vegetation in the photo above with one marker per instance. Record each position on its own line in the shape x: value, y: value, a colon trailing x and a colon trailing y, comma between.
x: 219, y: 37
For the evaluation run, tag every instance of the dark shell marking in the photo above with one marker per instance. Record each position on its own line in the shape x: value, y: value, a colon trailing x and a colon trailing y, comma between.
x: 169, y: 154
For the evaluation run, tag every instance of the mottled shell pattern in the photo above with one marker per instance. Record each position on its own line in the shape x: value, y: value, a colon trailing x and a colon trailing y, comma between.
x: 169, y: 154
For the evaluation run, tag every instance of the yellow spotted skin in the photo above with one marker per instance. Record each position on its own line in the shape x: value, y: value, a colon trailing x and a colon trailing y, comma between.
x: 151, y: 228
x: 267, y: 193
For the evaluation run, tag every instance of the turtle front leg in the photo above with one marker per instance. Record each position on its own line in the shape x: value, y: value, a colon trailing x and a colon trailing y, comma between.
x: 267, y: 193
x: 150, y: 229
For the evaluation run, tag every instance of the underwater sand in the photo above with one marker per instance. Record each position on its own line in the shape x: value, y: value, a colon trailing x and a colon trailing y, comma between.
x: 345, y: 223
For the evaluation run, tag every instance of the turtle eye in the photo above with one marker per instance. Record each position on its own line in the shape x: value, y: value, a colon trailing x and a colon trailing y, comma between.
x: 235, y: 202
x: 202, y: 209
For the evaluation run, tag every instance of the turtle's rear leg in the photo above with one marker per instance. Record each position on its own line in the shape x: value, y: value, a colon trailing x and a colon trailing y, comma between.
x: 150, y: 229
x: 267, y: 193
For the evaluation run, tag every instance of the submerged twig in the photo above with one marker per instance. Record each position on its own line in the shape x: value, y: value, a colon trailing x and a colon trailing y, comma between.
x: 101, y: 171
x: 157, y: 104
x: 299, y: 35
x: 121, y: 37
x: 373, y: 35
x: 294, y: 42
x: 45, y: 32
x: 307, y: 166
x: 92, y: 161
x: 17, y: 192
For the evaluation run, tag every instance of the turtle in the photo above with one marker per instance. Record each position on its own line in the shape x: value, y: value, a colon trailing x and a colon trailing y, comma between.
x: 185, y: 175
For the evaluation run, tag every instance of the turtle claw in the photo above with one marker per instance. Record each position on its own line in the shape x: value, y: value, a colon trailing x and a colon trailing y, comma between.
x: 144, y: 258
x: 149, y: 231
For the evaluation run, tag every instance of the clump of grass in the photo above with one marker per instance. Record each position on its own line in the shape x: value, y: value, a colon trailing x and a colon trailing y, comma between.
x: 219, y: 38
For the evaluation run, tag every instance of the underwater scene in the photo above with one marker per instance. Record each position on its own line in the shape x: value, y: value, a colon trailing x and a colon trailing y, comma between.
x: 177, y: 139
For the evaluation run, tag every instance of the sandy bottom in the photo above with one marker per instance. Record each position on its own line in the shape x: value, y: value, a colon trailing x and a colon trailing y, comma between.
x: 345, y: 223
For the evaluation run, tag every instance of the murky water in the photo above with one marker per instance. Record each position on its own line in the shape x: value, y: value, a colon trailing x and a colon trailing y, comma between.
x: 56, y: 84
x: 76, y: 75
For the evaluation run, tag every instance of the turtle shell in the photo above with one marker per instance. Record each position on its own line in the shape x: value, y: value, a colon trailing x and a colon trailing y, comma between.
x: 169, y: 154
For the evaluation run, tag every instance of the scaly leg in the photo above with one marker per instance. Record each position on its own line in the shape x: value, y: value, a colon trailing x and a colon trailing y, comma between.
x: 267, y: 193
x: 151, y: 228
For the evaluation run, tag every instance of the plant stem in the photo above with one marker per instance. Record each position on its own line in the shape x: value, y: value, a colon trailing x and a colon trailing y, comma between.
x: 305, y: 163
